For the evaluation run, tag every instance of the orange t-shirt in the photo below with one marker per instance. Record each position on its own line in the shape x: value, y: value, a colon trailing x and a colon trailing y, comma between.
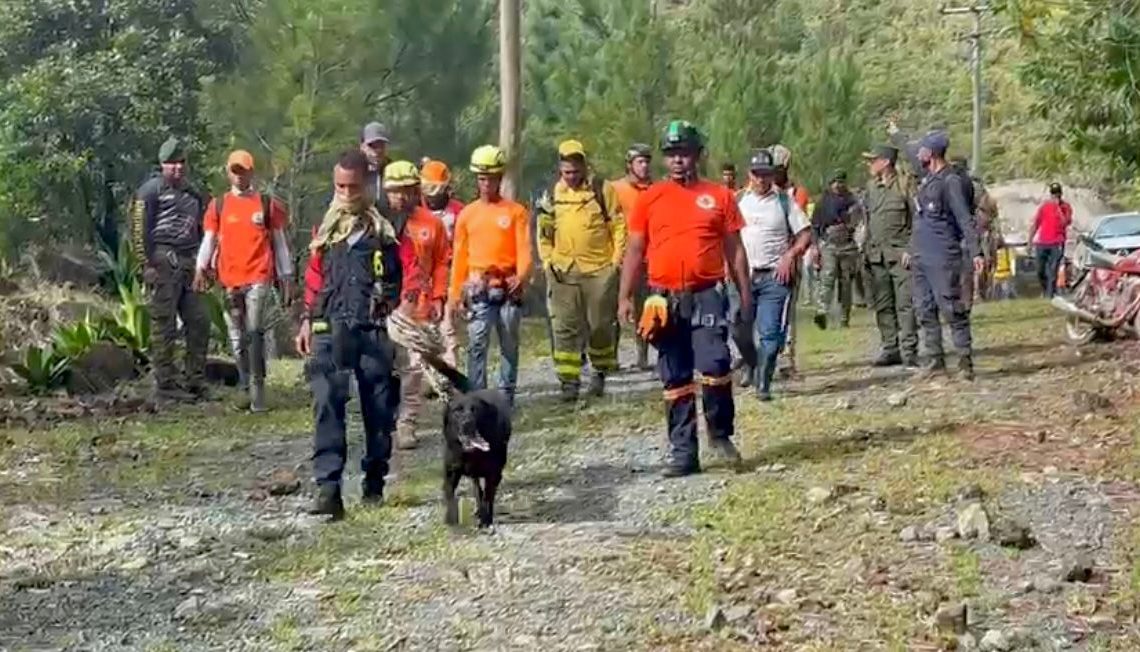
x: 424, y: 256
x: 245, y: 249
x: 490, y: 235
x: 627, y: 193
x: 685, y: 228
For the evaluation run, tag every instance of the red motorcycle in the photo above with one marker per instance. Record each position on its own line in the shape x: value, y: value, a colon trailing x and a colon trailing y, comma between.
x: 1104, y: 298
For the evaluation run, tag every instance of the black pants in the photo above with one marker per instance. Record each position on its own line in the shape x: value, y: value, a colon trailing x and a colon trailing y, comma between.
x: 373, y: 362
x: 1049, y: 258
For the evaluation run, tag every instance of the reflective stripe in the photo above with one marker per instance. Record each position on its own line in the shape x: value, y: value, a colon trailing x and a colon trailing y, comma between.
x: 716, y: 381
x: 320, y: 326
x: 680, y: 392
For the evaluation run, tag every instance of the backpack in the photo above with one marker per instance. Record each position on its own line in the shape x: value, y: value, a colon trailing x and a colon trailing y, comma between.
x: 597, y: 186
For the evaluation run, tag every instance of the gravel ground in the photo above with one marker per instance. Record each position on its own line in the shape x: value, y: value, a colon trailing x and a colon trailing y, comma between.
x: 592, y: 550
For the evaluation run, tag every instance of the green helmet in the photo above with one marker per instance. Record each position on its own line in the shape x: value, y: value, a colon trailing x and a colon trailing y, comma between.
x: 682, y: 134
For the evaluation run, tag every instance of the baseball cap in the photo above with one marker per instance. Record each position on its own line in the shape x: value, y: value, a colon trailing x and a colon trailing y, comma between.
x: 882, y: 152
x: 568, y: 148
x: 936, y: 141
x: 781, y: 156
x: 1055, y: 188
x: 762, y: 162
x: 241, y: 159
x: 374, y: 131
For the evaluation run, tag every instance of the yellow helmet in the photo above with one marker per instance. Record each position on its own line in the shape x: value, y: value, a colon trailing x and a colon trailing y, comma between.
x: 401, y: 174
x: 488, y: 159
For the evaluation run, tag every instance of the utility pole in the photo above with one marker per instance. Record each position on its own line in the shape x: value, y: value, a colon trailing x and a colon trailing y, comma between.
x: 976, y: 64
x: 509, y: 91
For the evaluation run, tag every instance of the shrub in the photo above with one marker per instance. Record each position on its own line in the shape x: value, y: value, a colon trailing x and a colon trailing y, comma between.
x: 43, y: 369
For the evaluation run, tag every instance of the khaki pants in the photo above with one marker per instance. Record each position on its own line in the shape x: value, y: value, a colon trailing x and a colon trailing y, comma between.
x: 410, y: 369
x: 583, y: 308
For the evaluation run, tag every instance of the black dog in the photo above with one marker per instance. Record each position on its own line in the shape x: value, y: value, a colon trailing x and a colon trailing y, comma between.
x: 476, y: 431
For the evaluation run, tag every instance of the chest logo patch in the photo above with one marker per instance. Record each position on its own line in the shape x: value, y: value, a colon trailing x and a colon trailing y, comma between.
x: 424, y: 234
x: 706, y: 202
x: 259, y: 218
x: 504, y: 221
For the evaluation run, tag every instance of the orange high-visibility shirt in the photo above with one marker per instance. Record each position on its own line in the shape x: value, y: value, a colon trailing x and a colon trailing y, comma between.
x: 490, y: 235
x: 424, y: 256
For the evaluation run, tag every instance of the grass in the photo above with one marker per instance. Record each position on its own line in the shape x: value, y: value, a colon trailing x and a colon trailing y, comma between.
x: 888, y: 466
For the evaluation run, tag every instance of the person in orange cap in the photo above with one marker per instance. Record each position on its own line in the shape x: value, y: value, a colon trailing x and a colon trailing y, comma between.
x: 435, y: 185
x: 244, y: 242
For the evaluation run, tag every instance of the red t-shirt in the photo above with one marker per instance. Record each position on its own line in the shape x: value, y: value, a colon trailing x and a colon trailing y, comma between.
x: 245, y: 250
x: 1051, y: 223
x: 685, y: 228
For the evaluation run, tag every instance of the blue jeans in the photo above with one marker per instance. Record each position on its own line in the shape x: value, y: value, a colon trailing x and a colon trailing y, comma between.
x: 770, y: 302
x: 1049, y: 259
x: 505, y: 319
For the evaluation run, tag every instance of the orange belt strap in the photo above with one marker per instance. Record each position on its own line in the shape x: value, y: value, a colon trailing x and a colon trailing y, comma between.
x: 716, y: 381
x: 681, y: 392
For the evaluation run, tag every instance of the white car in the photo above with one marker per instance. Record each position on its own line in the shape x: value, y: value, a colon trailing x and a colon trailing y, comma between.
x: 1119, y: 233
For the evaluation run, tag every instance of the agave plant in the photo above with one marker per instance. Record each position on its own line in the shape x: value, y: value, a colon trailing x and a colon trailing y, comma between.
x: 43, y: 369
x: 75, y: 340
x: 130, y: 326
x: 123, y: 266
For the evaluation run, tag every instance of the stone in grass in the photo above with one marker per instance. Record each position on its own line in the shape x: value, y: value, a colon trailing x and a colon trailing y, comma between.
x: 995, y: 640
x: 818, y: 495
x: 1077, y: 569
x: 951, y: 618
x: 944, y: 534
x: 714, y: 618
x: 786, y: 596
x: 966, y: 643
x: 898, y: 399
x: 1013, y: 534
x: 974, y: 522
x: 909, y: 534
x: 1045, y: 584
x: 737, y: 614
x: 188, y: 608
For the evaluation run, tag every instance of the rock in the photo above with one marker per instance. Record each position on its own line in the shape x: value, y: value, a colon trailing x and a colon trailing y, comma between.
x: 844, y: 404
x: 996, y: 640
x: 77, y: 266
x: 973, y: 522
x: 283, y: 482
x: 1045, y: 584
x: 818, y: 495
x: 166, y: 523
x: 786, y: 596
x: 1077, y: 569
x: 1013, y: 534
x: 1090, y: 401
x: 967, y: 643
x: 971, y: 493
x: 100, y: 370
x: 221, y: 372
x: 188, y: 608
x: 944, y: 534
x: 737, y: 614
x: 138, y: 563
x: 908, y: 534
x: 951, y: 618
x: 8, y: 287
x: 714, y: 618
x: 898, y: 399
x: 928, y: 601
x: 1050, y: 470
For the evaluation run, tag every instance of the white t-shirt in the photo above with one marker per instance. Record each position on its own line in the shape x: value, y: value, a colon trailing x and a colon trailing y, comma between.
x: 767, y: 234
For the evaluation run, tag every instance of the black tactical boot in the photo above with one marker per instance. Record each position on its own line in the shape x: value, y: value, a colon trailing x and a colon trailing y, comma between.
x: 680, y: 470
x: 725, y: 450
x: 966, y: 368
x: 820, y: 320
x: 328, y: 502
x: 936, y: 367
x: 568, y: 393
x: 597, y: 386
x: 886, y: 359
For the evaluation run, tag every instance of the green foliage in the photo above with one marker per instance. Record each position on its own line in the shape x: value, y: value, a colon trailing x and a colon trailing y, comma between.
x: 131, y: 322
x: 42, y: 369
x: 123, y: 265
x: 215, y: 305
x: 77, y: 339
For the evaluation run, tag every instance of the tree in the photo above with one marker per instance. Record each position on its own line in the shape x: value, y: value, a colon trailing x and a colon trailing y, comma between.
x: 89, y: 91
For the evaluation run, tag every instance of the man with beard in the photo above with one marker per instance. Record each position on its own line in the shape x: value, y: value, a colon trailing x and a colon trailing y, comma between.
x: 374, y: 139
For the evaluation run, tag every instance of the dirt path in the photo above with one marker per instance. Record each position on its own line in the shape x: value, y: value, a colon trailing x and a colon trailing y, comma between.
x: 186, y: 533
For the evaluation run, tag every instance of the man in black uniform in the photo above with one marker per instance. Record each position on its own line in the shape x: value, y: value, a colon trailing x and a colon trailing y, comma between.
x: 943, y: 234
x: 167, y: 223
x: 352, y: 283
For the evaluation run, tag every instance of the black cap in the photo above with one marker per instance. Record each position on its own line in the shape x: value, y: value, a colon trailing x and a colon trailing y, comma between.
x: 762, y: 162
x: 1055, y: 188
x: 882, y: 152
x: 839, y: 175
